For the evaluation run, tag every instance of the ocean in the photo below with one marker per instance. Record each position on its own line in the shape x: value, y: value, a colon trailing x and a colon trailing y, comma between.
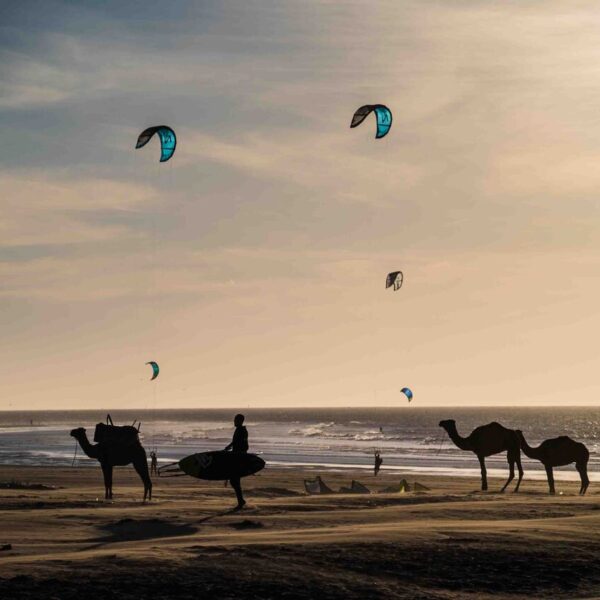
x: 409, y: 438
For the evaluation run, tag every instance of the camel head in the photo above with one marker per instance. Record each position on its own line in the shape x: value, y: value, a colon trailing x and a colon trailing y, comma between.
x: 78, y: 433
x: 448, y: 424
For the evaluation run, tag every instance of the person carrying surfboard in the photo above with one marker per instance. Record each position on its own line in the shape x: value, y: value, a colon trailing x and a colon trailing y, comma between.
x: 239, y: 443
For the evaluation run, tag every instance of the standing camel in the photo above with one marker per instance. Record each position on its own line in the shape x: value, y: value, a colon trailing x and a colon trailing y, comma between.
x: 113, y: 455
x: 486, y: 440
x: 558, y: 452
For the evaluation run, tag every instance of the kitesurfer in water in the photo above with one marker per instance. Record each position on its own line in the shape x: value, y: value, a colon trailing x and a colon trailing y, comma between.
x: 239, y: 444
x: 378, y: 462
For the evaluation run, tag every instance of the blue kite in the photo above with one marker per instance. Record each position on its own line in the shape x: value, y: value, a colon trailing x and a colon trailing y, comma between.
x: 382, y: 113
x: 168, y: 141
x: 408, y: 393
x: 155, y: 369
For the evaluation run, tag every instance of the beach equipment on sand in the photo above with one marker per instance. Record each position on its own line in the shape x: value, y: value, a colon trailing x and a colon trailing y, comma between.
x: 403, y: 487
x: 218, y: 465
x: 355, y: 488
x: 399, y: 488
x: 317, y: 486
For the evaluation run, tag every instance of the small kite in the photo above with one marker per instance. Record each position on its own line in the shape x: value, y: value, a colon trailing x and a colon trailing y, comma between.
x: 382, y: 113
x: 155, y: 369
x: 394, y: 279
x: 408, y: 393
x: 168, y: 141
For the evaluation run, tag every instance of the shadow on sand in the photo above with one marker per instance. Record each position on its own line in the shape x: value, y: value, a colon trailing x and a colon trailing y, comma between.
x: 144, y: 529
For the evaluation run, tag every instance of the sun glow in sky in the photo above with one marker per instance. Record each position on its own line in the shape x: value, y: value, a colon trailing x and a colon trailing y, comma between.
x: 252, y: 266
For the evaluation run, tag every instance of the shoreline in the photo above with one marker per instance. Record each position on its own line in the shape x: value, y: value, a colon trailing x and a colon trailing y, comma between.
x: 566, y: 474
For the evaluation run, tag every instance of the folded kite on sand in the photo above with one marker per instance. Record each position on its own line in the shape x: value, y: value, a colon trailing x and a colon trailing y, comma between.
x: 398, y: 488
x: 355, y: 488
x: 316, y: 486
x: 403, y: 487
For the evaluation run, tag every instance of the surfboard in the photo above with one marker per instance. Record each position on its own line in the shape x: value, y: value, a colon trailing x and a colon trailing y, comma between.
x: 221, y: 465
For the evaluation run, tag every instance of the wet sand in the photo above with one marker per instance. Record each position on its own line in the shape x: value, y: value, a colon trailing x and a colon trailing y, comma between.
x: 450, y: 542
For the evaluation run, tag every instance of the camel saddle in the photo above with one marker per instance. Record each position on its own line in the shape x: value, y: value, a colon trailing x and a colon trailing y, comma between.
x: 116, y: 434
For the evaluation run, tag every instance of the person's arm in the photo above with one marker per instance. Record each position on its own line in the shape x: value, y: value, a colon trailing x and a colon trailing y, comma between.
x: 235, y: 435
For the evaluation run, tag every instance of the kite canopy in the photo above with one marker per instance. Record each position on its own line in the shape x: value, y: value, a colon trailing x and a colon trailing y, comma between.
x: 395, y: 278
x: 382, y: 113
x: 408, y: 393
x: 168, y: 141
x: 155, y: 369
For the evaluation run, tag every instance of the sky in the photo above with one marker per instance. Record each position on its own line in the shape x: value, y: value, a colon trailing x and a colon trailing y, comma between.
x: 252, y: 265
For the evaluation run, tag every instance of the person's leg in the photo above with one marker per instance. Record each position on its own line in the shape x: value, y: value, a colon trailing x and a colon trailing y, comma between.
x: 237, y: 486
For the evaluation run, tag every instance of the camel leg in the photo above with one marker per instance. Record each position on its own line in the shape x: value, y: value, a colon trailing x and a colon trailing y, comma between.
x: 141, y: 468
x: 110, y: 482
x: 585, y: 482
x: 550, y: 475
x: 105, y: 477
x: 484, y: 485
x: 511, y: 474
x: 107, y: 472
x: 520, y: 468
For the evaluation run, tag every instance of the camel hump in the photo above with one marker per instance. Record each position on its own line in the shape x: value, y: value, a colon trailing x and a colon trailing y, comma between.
x: 562, y: 440
x: 497, y: 425
x: 115, y: 434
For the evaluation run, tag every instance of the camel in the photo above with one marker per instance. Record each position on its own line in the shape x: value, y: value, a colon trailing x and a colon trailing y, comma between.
x: 486, y: 440
x: 558, y: 452
x: 112, y: 455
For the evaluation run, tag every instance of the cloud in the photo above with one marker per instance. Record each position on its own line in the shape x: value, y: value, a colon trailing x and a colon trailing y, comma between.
x: 42, y: 208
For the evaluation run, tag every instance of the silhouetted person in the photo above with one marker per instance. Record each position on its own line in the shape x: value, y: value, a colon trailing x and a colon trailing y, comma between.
x: 153, y: 463
x: 239, y: 444
x: 378, y: 462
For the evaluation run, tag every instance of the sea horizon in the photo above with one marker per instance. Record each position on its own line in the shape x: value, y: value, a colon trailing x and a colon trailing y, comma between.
x: 410, y: 440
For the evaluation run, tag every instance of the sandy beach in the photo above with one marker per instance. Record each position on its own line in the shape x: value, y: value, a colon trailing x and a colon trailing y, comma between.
x: 449, y: 542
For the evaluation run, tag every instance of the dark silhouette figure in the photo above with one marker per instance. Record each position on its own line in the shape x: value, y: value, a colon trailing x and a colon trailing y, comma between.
x: 153, y: 463
x: 113, y: 455
x: 239, y: 444
x: 378, y: 462
x: 558, y: 452
x: 486, y: 440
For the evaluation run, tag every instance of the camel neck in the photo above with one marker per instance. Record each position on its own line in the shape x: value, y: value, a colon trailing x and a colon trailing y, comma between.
x: 87, y: 448
x: 459, y: 441
x: 527, y: 449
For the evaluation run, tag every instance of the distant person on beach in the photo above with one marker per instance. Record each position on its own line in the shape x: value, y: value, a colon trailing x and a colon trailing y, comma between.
x: 239, y: 444
x: 378, y: 462
x: 153, y: 463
